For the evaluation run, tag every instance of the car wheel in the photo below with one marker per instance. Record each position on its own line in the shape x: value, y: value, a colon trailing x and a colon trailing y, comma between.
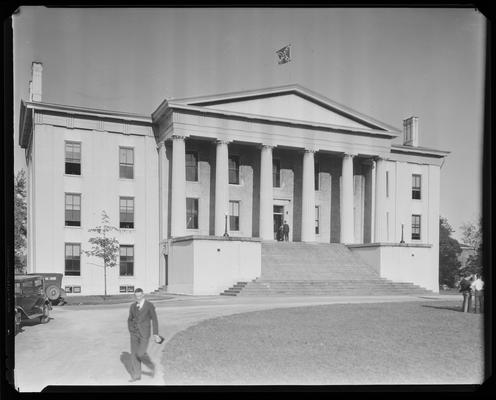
x: 53, y: 292
x: 44, y: 318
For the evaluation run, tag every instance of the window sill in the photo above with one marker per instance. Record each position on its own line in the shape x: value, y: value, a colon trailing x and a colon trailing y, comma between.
x: 126, y: 179
x: 127, y: 229
x: 73, y: 175
x: 126, y: 276
x: 72, y: 227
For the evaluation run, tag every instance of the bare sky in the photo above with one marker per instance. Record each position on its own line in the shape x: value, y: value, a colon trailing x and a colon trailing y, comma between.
x: 386, y: 63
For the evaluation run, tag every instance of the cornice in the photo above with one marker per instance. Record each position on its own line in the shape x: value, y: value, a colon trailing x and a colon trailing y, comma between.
x: 419, y: 151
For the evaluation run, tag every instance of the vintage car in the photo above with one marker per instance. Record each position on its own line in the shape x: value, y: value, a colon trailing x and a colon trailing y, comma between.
x: 53, y: 287
x: 31, y: 301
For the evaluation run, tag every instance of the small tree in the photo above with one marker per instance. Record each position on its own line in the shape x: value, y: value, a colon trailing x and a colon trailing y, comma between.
x: 472, y: 236
x: 20, y: 218
x: 104, y: 246
x: 449, y: 250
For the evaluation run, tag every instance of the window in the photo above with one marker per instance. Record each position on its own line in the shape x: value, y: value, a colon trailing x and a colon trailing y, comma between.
x: 415, y: 227
x: 234, y: 215
x: 126, y: 289
x: 126, y: 212
x: 191, y: 213
x: 234, y: 170
x: 192, y: 166
x: 387, y: 183
x: 126, y: 260
x: 276, y: 173
x: 73, y: 259
x: 72, y: 289
x: 72, y: 209
x: 416, y: 183
x: 317, y: 175
x: 73, y: 158
x: 317, y: 218
x: 126, y: 162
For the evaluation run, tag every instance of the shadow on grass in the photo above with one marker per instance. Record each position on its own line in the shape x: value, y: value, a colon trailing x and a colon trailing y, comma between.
x: 126, y: 360
x: 445, y: 307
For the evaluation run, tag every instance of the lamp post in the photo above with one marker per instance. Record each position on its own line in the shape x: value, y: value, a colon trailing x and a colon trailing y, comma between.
x: 225, y: 229
x: 402, y: 241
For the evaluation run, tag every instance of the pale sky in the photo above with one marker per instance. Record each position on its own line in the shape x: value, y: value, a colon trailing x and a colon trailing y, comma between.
x: 388, y: 63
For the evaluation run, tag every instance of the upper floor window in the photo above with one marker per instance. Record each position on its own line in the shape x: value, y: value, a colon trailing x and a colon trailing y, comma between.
x: 276, y: 172
x: 72, y: 209
x: 234, y: 170
x: 191, y: 213
x: 72, y: 259
x: 192, y: 166
x: 234, y: 215
x: 126, y: 260
x: 73, y: 158
x: 126, y: 212
x: 416, y: 184
x: 317, y: 175
x: 126, y: 162
x: 416, y: 226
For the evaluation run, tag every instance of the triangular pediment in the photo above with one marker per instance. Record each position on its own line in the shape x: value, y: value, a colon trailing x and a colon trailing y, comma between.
x: 292, y: 103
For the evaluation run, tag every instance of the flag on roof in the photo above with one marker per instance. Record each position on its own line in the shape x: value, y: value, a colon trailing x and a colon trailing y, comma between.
x: 284, y: 54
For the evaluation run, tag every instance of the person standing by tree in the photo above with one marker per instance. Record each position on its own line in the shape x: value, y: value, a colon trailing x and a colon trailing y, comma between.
x: 478, y: 289
x: 466, y: 292
x: 141, y: 314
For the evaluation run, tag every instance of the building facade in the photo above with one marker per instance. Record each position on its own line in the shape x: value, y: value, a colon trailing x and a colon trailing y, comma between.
x: 198, y: 185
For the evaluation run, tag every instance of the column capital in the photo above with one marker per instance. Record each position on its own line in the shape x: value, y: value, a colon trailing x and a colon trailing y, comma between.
x: 349, y: 154
x: 178, y: 137
x: 310, y: 150
x: 222, y: 141
x: 266, y: 146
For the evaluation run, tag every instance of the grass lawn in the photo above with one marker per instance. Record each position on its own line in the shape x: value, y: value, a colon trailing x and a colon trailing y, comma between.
x: 73, y: 300
x: 342, y: 344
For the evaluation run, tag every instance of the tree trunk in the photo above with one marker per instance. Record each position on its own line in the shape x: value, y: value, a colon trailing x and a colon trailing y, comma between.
x: 105, y: 279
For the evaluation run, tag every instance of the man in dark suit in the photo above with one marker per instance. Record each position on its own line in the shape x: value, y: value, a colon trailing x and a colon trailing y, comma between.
x: 285, y: 229
x: 141, y: 314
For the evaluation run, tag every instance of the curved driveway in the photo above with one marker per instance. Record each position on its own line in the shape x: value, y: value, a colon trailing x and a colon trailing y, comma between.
x: 89, y: 345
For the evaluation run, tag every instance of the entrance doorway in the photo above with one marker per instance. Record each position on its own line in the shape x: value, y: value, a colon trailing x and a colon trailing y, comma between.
x: 278, y: 220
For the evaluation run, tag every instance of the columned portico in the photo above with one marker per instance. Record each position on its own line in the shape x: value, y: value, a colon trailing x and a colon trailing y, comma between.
x: 347, y: 223
x: 266, y: 193
x: 221, y: 186
x: 178, y: 187
x: 308, y: 197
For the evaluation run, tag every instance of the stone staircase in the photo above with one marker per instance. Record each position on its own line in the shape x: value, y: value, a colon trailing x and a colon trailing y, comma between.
x: 317, y: 269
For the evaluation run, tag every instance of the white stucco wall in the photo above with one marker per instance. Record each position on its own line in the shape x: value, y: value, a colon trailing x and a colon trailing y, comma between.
x: 100, y: 188
x: 208, y: 265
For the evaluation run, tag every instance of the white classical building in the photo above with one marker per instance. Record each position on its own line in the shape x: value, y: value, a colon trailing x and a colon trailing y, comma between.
x: 196, y: 187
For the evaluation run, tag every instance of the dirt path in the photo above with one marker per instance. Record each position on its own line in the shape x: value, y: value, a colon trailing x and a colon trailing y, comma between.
x: 90, y: 345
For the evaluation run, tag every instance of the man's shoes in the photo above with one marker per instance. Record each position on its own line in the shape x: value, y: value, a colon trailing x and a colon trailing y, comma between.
x: 134, y: 379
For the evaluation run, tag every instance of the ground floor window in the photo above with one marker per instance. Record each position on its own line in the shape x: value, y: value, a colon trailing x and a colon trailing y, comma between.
x: 317, y: 219
x: 72, y: 259
x: 191, y: 213
x: 234, y: 215
x: 126, y: 260
x: 416, y: 227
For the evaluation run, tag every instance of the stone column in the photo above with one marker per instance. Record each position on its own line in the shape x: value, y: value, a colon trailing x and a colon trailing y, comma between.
x: 380, y: 195
x: 308, y: 197
x: 221, y: 186
x: 347, y: 222
x: 372, y: 201
x: 266, y: 194
x: 178, y: 187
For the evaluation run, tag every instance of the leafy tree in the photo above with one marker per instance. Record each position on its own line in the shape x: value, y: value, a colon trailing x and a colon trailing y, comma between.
x: 104, y: 246
x: 472, y: 236
x: 20, y: 218
x: 449, y: 250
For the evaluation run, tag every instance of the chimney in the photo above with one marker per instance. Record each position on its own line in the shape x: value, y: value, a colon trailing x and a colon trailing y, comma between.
x: 35, y: 83
x: 410, y: 132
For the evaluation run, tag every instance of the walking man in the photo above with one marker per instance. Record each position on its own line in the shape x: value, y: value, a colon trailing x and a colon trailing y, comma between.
x: 477, y: 288
x: 141, y: 315
x: 466, y: 292
x: 285, y: 229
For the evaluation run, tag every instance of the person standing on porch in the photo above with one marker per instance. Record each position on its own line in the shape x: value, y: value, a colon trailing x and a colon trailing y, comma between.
x: 478, y: 290
x: 285, y: 229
